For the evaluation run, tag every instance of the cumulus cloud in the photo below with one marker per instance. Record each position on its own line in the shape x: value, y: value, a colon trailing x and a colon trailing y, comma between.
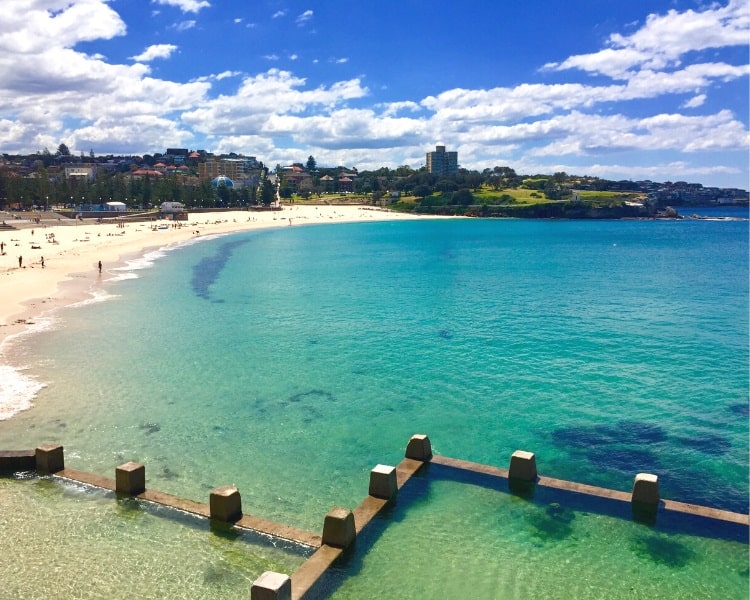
x: 34, y: 29
x: 265, y: 102
x: 278, y: 14
x: 664, y: 40
x: 154, y: 52
x: 50, y: 90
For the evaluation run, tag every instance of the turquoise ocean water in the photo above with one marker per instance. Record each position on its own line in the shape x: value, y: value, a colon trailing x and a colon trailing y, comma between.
x: 290, y: 362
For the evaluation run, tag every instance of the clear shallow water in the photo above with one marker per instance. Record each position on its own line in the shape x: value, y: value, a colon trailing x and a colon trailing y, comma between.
x: 59, y: 540
x: 290, y: 362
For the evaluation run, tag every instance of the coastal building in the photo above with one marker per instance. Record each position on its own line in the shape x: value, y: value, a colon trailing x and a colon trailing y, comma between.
x: 85, y: 172
x: 242, y: 171
x: 237, y: 169
x: 441, y: 162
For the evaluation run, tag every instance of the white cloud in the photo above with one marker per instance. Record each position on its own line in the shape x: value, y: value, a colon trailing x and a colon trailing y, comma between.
x: 695, y: 101
x: 49, y: 90
x: 185, y: 25
x: 31, y: 29
x: 304, y: 18
x: 278, y: 14
x: 665, y: 39
x: 184, y: 5
x: 227, y: 74
x: 154, y: 52
x: 393, y: 108
x: 264, y: 102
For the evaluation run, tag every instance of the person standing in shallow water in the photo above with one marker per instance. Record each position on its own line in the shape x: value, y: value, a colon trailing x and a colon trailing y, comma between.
x: 100, y: 266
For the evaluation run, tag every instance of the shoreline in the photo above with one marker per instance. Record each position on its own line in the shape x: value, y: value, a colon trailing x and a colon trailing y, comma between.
x: 71, y: 251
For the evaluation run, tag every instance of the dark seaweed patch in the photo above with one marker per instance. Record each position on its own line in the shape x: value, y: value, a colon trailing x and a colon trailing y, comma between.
x: 554, y: 523
x: 623, y: 432
x: 207, y: 271
x: 311, y: 395
x: 168, y: 473
x: 741, y: 408
x: 445, y: 334
x: 580, y: 437
x: 627, y: 460
x: 663, y: 551
x: 707, y: 443
x: 150, y: 428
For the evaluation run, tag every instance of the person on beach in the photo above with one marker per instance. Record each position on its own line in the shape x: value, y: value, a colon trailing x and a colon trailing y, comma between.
x: 42, y: 261
x: 100, y: 266
x: 20, y: 261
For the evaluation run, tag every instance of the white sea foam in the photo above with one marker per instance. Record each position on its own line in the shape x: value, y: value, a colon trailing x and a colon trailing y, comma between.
x: 97, y: 296
x: 127, y: 271
x: 17, y: 389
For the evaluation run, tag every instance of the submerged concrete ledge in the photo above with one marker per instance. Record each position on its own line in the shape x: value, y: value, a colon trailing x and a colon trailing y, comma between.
x: 599, y: 492
x: 311, y: 571
x: 342, y: 526
x: 201, y: 509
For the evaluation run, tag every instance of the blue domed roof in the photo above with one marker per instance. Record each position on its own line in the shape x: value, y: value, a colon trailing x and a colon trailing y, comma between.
x: 222, y: 180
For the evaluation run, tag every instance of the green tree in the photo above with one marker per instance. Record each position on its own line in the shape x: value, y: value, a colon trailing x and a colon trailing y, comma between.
x: 463, y: 197
x: 422, y: 191
x: 311, y: 165
x: 223, y: 194
x: 267, y: 193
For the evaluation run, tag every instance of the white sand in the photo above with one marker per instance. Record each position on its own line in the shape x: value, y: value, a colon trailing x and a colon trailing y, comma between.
x: 72, y: 251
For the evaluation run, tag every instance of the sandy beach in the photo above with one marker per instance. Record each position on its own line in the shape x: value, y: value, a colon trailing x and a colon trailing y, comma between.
x: 59, y: 260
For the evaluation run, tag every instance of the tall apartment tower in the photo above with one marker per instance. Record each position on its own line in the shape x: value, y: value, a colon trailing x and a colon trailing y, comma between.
x: 441, y: 162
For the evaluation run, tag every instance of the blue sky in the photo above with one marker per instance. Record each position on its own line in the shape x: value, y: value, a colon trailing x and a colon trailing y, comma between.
x: 624, y: 90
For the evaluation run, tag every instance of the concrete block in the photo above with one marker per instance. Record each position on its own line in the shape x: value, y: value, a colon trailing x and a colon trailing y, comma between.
x: 646, y: 489
x: 419, y: 448
x: 225, y: 504
x: 338, y: 528
x: 17, y: 460
x: 383, y: 483
x: 50, y: 458
x: 271, y: 586
x: 522, y: 466
x: 130, y: 478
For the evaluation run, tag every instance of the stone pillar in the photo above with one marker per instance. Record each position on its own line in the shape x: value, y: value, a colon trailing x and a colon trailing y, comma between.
x: 271, y: 586
x: 225, y: 504
x: 130, y: 479
x: 383, y: 483
x: 50, y: 458
x: 338, y: 528
x: 646, y: 489
x: 522, y: 466
x: 419, y: 448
